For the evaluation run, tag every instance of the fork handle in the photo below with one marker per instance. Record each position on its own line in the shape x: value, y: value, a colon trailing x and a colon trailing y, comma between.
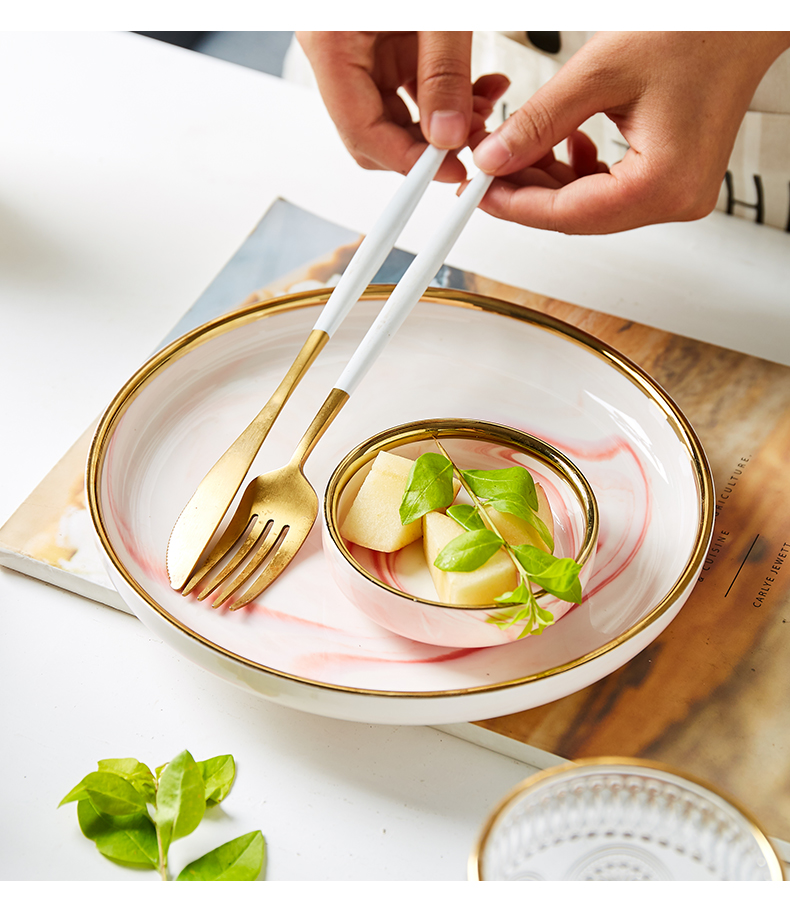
x: 412, y: 286
x: 380, y: 240
x: 203, y: 513
x: 324, y: 417
x: 402, y: 300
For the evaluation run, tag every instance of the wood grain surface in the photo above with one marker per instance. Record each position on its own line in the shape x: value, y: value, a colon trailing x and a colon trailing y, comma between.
x: 711, y: 695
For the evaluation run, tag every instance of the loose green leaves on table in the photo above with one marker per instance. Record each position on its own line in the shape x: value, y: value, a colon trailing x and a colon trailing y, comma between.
x: 133, y: 815
x: 218, y: 775
x: 180, y: 799
x: 130, y: 839
x: 239, y: 859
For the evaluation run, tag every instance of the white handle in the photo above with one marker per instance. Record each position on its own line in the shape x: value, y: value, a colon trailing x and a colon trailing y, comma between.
x: 375, y: 247
x: 413, y: 284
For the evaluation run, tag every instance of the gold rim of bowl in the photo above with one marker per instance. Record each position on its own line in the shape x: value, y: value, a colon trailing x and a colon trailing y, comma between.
x: 442, y: 296
x: 455, y: 429
x: 534, y: 782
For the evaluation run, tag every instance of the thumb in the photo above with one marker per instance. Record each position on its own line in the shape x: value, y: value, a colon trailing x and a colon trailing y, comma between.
x: 444, y: 87
x: 552, y: 114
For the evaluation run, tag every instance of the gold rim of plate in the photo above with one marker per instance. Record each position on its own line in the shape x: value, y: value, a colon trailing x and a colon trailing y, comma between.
x: 536, y: 780
x: 442, y: 296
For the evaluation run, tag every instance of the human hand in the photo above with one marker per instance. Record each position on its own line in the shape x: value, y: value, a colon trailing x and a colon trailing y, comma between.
x: 678, y: 98
x: 359, y: 74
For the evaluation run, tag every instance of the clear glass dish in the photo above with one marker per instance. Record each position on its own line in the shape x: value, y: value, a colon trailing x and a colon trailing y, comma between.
x: 615, y: 818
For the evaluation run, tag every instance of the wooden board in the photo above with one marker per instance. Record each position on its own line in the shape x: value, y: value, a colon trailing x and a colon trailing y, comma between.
x: 711, y: 696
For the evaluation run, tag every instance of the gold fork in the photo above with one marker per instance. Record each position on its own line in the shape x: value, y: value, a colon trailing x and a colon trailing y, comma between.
x: 278, y: 509
x: 274, y: 517
x: 201, y: 517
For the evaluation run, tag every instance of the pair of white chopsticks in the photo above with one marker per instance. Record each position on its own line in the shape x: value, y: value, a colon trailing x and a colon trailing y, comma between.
x: 374, y: 250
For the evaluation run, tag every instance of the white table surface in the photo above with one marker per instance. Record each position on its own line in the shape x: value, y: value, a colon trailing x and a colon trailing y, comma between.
x: 130, y: 172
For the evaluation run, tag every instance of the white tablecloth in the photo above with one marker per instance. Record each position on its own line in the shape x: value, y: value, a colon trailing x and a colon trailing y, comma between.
x: 130, y: 172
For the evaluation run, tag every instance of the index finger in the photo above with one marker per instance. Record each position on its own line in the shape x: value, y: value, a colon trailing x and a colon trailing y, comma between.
x: 375, y: 132
x: 602, y: 203
x: 373, y: 121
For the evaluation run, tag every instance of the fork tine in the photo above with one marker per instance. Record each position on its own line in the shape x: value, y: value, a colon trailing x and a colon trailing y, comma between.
x: 254, y: 534
x: 237, y: 526
x: 268, y: 546
x: 287, y: 548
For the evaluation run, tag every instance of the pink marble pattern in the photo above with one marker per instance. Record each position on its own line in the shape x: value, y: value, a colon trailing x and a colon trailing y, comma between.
x: 303, y: 639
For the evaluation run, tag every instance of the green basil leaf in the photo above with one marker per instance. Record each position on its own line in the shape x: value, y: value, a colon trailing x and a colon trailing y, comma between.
x: 78, y: 793
x: 129, y: 839
x: 180, y: 799
x: 521, y: 595
x: 512, y: 503
x: 134, y: 772
x: 514, y: 481
x: 467, y: 516
x: 541, y: 619
x: 543, y: 531
x: 468, y: 551
x: 533, y: 560
x: 517, y: 506
x: 563, y: 576
x: 537, y: 627
x: 506, y: 619
x: 428, y: 487
x: 240, y: 859
x: 544, y: 616
x: 503, y: 620
x: 109, y: 792
x: 557, y: 575
x: 524, y: 607
x: 218, y: 775
x: 567, y: 590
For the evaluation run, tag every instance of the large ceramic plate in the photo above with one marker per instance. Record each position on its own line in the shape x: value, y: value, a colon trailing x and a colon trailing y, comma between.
x: 458, y: 355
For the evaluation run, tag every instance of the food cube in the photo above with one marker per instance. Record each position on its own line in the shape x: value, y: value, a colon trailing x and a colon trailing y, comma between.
x: 476, y: 587
x: 374, y: 518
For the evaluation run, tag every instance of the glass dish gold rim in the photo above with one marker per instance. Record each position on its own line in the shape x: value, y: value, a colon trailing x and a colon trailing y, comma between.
x: 415, y: 431
x: 444, y: 296
x: 533, y: 782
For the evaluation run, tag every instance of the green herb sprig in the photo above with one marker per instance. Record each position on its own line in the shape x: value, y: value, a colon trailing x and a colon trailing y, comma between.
x: 133, y: 815
x: 511, y: 490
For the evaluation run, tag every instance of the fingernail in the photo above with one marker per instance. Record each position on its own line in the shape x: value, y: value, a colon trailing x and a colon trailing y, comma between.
x: 491, y: 154
x: 447, y: 129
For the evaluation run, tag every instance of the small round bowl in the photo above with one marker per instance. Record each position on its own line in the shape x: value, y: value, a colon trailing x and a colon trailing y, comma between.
x: 396, y: 590
x: 616, y: 818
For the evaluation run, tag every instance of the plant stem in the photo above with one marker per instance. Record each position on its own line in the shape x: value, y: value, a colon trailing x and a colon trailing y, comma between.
x: 522, y: 576
x: 162, y: 867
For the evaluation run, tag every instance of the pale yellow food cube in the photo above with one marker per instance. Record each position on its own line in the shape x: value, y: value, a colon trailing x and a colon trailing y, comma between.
x: 373, y: 520
x: 517, y: 531
x: 477, y: 587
